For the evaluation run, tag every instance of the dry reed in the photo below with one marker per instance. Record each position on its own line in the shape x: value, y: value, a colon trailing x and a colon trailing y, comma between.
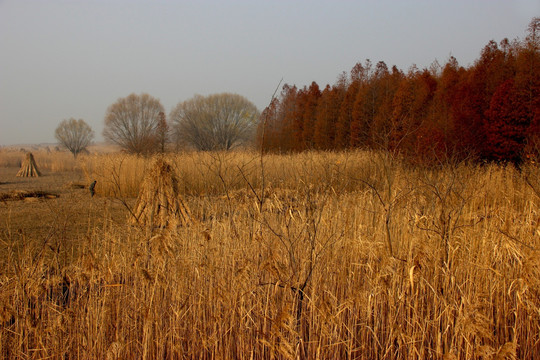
x: 307, y: 275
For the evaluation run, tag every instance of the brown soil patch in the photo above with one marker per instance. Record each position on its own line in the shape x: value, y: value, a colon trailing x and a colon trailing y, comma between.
x: 26, y: 195
x: 53, y: 207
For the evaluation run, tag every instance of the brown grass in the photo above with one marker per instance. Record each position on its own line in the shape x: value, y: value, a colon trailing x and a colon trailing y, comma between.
x: 45, y: 159
x: 339, y: 256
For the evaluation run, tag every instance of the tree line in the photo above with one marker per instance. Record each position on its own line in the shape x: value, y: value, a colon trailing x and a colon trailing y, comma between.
x: 489, y: 110
x: 138, y: 124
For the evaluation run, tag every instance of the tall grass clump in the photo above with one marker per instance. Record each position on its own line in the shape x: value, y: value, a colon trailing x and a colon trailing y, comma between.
x: 346, y: 256
x: 117, y: 175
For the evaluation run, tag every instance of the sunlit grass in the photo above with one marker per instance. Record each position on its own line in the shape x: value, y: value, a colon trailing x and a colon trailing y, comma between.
x: 340, y: 255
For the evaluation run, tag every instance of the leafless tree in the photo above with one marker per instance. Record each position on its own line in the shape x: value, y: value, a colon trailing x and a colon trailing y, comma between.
x: 214, y: 122
x: 133, y: 123
x: 162, y: 132
x: 74, y: 134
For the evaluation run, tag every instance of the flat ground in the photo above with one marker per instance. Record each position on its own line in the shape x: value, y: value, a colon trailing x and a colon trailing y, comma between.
x: 68, y: 213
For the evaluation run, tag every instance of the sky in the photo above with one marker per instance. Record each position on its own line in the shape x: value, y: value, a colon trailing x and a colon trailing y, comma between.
x: 63, y: 59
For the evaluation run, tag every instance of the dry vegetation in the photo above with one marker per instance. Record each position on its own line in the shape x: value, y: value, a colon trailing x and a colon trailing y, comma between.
x: 315, y: 255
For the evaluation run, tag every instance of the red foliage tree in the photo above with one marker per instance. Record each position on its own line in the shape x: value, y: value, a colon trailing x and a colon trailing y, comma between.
x: 297, y: 120
x: 527, y: 84
x: 269, y: 127
x: 311, y: 99
x: 445, y: 101
x: 490, y: 109
x: 371, y: 96
x: 275, y: 131
x: 466, y: 104
x: 506, y: 124
x: 343, y: 124
x: 411, y: 107
x: 474, y: 94
x: 381, y: 126
x: 327, y: 116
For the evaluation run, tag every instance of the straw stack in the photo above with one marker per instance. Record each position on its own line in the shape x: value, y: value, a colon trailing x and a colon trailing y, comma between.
x: 159, y: 204
x: 29, y: 167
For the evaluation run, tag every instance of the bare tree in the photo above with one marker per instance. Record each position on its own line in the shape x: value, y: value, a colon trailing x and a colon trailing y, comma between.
x: 74, y: 134
x: 162, y: 132
x: 215, y: 122
x: 133, y: 123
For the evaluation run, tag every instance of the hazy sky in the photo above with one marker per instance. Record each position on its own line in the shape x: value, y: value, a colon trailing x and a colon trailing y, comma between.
x: 62, y: 59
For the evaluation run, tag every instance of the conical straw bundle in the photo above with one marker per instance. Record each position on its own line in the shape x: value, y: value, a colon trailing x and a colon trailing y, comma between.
x: 29, y: 167
x: 159, y: 204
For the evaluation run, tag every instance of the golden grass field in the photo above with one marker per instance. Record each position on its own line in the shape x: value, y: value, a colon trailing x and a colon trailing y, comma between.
x: 308, y: 256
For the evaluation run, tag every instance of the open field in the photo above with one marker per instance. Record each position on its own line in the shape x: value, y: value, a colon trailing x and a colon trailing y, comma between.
x: 316, y: 255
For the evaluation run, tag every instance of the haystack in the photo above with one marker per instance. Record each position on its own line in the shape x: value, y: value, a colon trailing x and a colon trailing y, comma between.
x: 159, y: 204
x: 29, y: 167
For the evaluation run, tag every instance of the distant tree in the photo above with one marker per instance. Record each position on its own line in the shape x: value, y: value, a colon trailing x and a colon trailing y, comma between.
x: 327, y: 116
x: 286, y: 113
x: 74, y: 134
x: 133, y: 123
x: 313, y: 94
x: 268, y: 127
x: 445, y: 95
x: 381, y: 126
x: 358, y: 78
x: 411, y: 105
x: 276, y: 122
x: 215, y: 122
x: 345, y: 117
x: 527, y: 82
x: 162, y: 132
x: 489, y: 110
x: 367, y: 104
x: 297, y: 120
x: 506, y: 124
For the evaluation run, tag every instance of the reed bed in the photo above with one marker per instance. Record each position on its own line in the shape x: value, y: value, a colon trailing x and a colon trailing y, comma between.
x: 46, y: 159
x: 216, y: 173
x: 312, y: 256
